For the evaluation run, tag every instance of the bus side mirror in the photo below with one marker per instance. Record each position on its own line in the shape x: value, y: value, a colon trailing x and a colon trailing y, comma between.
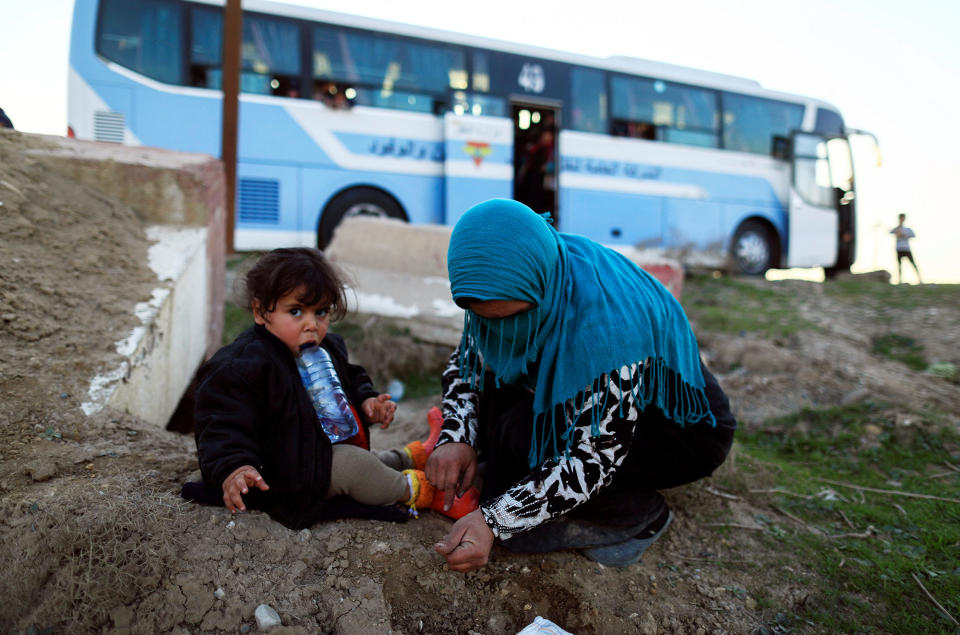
x: 877, y: 155
x: 781, y: 148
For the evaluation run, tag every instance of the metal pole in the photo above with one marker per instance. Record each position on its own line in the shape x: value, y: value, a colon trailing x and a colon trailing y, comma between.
x: 232, y: 38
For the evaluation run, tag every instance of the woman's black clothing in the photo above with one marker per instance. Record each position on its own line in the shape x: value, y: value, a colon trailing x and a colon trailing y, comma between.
x: 609, y: 479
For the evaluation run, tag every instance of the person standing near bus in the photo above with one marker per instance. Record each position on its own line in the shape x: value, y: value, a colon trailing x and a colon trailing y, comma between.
x: 904, y: 234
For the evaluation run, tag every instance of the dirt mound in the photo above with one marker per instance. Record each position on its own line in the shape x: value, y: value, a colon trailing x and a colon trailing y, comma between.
x: 73, y: 266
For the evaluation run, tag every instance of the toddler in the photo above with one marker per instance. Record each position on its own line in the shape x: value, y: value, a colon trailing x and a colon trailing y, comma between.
x: 257, y: 430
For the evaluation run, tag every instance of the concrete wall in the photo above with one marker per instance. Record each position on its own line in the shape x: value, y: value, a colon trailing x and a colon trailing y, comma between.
x: 391, y: 245
x: 164, y: 188
x: 174, y: 341
x: 181, y: 199
x: 421, y: 250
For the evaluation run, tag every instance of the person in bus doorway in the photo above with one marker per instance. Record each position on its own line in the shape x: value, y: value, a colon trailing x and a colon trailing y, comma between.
x: 903, y: 235
x: 579, y: 386
x: 5, y: 120
x: 537, y: 179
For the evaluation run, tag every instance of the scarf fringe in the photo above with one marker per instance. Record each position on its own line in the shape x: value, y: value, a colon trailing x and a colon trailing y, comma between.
x: 475, y: 338
x: 653, y: 384
x: 651, y: 381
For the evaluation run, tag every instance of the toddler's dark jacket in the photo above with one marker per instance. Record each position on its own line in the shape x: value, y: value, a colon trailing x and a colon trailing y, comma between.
x: 252, y: 409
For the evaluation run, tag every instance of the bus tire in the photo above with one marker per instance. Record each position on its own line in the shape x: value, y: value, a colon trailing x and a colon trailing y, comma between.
x: 358, y: 201
x: 754, y: 249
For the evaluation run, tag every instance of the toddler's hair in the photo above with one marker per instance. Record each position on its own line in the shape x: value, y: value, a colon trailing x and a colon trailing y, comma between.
x: 281, y: 271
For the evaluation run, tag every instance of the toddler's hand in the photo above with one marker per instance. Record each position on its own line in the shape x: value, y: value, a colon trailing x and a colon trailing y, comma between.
x: 379, y: 409
x: 239, y: 482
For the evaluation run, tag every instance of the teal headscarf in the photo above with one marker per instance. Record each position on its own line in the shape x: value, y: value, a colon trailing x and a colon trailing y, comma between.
x: 595, y: 312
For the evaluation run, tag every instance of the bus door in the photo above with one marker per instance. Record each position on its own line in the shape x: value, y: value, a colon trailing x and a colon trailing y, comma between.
x: 477, y: 161
x: 535, y: 156
x: 842, y: 182
x: 813, y: 220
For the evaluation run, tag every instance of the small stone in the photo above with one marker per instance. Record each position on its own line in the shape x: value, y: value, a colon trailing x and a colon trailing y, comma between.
x: 231, y: 525
x: 751, y: 603
x: 857, y: 395
x: 266, y: 617
x: 41, y: 470
x: 872, y: 431
x: 64, y: 395
x: 304, y: 535
x: 122, y: 617
x: 219, y: 593
x: 379, y: 547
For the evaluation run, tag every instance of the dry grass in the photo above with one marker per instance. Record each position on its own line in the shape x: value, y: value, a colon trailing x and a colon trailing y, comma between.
x: 71, y: 562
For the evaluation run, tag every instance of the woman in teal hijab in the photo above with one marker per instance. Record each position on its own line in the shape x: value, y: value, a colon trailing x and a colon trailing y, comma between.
x: 579, y: 383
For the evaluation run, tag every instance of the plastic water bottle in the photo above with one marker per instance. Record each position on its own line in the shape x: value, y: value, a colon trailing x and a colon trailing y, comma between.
x: 395, y: 389
x: 320, y: 379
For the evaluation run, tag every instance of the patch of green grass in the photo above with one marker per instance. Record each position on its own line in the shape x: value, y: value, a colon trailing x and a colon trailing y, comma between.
x: 349, y: 331
x: 421, y: 385
x: 731, y: 305
x: 235, y: 321
x: 902, y: 296
x: 869, y: 532
x: 902, y: 349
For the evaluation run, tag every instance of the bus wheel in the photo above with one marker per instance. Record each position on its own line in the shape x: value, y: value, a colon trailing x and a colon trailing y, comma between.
x: 359, y: 201
x: 753, y: 249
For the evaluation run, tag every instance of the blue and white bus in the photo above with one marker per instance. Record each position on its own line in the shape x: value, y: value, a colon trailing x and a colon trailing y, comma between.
x: 343, y: 115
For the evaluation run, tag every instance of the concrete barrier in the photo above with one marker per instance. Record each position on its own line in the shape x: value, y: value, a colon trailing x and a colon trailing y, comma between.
x: 391, y: 245
x: 400, y: 270
x: 421, y: 250
x: 163, y: 187
x: 181, y: 199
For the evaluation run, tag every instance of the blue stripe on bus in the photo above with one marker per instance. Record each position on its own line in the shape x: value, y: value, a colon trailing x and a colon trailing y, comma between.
x: 623, y: 218
x: 719, y: 185
x: 269, y: 133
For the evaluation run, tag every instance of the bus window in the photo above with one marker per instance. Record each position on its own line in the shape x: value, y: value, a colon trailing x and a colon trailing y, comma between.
x: 144, y: 36
x: 649, y: 109
x: 270, y: 57
x: 588, y: 99
x: 812, y: 177
x: 206, y: 47
x: 828, y: 123
x: 473, y: 104
x: 751, y: 123
x: 271, y: 53
x: 387, y: 71
x: 481, y: 72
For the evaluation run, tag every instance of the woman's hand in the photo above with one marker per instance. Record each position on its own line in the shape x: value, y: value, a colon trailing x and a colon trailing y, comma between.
x: 239, y: 482
x: 467, y: 546
x: 452, y: 467
x: 378, y: 409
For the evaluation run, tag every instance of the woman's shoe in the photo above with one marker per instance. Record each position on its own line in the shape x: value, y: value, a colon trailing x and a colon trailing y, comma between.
x: 623, y: 554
